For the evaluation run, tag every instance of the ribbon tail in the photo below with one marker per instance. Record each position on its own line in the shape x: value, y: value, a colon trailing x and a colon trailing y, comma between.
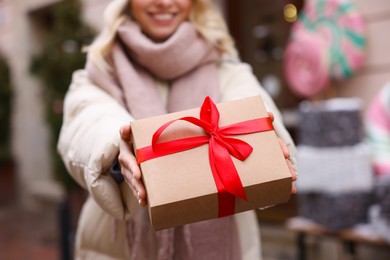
x: 226, y: 204
x: 225, y: 170
x: 226, y: 200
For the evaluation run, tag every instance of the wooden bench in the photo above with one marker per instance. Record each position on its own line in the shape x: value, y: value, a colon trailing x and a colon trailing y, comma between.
x: 349, y: 237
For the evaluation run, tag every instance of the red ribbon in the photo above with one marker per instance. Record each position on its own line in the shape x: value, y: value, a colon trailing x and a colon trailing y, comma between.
x: 221, y: 146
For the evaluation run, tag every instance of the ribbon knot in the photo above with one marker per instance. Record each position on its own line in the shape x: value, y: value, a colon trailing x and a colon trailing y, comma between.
x: 213, y: 133
x: 221, y: 148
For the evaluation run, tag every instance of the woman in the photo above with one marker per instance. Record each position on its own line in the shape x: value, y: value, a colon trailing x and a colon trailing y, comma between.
x: 153, y: 57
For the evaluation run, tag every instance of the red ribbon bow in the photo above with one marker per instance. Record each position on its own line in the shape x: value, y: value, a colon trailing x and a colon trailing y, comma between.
x: 221, y: 146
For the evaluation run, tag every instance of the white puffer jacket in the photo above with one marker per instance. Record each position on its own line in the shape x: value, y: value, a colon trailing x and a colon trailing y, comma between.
x: 89, y: 142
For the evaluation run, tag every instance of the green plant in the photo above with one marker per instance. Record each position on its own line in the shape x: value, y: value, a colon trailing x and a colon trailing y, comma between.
x: 62, y: 42
x: 5, y: 112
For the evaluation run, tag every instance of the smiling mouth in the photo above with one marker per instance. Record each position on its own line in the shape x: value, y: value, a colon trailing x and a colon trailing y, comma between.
x: 163, y: 17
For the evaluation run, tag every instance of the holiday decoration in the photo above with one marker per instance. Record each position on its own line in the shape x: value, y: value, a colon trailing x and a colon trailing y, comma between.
x: 331, y: 34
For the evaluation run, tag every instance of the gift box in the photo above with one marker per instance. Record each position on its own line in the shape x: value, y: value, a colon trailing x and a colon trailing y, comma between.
x: 210, y: 162
x: 332, y: 123
x: 335, y: 211
x: 342, y: 169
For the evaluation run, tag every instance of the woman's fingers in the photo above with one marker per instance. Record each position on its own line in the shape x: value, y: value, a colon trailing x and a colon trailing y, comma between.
x: 293, y: 189
x: 125, y: 132
x: 129, y: 165
x: 286, y: 153
x: 293, y: 175
x: 137, y: 187
x: 292, y: 170
x: 132, y: 175
x: 285, y: 150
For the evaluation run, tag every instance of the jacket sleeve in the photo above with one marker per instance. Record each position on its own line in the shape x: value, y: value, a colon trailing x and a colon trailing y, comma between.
x: 238, y: 81
x: 89, y: 140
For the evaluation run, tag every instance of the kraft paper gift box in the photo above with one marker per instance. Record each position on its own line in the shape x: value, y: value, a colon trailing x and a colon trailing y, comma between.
x: 183, y: 187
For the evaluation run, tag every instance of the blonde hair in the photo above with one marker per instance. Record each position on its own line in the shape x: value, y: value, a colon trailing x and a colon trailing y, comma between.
x: 203, y: 15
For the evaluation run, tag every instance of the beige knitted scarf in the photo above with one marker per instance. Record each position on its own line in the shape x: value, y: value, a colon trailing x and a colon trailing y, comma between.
x: 185, y: 60
x: 189, y: 64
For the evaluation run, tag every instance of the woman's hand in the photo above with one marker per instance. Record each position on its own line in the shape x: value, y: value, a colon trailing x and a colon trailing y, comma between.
x: 129, y: 167
x: 287, y: 155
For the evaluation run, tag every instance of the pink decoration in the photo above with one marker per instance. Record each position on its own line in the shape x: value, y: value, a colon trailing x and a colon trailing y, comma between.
x: 306, y: 65
x: 336, y: 53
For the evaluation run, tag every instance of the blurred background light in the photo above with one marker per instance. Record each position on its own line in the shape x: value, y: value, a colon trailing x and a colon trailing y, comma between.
x: 290, y: 13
